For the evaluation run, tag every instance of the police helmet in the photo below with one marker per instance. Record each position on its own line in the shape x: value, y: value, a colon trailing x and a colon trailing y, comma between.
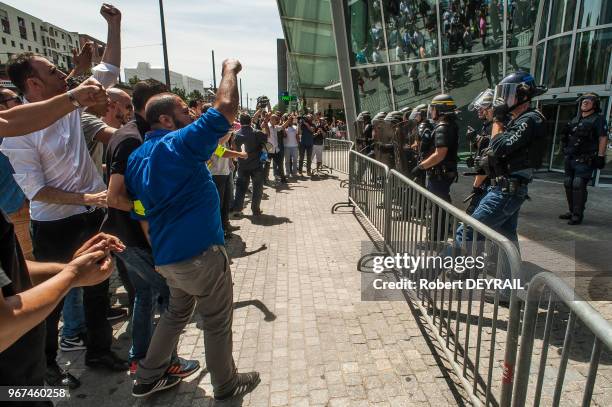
x: 444, y: 105
x: 590, y: 96
x: 364, y: 116
x: 405, y: 112
x: 394, y: 118
x: 420, y: 109
x: 517, y: 88
x: 484, y: 100
x: 380, y: 116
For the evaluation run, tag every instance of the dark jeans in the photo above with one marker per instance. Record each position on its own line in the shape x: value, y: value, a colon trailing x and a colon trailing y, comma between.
x: 244, y: 177
x: 125, y: 281
x: 439, y: 186
x: 308, y: 150
x: 149, y: 285
x: 276, y: 164
x: 224, y: 187
x: 56, y: 241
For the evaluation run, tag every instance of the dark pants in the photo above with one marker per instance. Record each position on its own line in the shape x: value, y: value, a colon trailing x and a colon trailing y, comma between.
x: 125, y: 281
x: 56, y: 241
x: 308, y: 151
x: 244, y: 177
x: 276, y: 164
x: 439, y: 186
x: 224, y: 187
x: 577, y: 177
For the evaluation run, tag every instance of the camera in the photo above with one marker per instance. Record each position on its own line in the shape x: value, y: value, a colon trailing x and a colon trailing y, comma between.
x: 262, y: 102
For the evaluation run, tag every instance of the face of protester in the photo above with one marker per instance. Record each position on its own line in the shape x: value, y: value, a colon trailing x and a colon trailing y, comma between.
x: 181, y: 117
x: 122, y: 108
x: 587, y: 105
x: 48, y: 81
x: 8, y: 99
x: 274, y: 120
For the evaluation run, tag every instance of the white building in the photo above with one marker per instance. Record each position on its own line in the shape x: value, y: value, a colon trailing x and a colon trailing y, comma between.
x: 144, y: 71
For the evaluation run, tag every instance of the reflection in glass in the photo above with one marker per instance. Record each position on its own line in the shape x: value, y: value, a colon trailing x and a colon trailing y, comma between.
x: 415, y: 83
x: 550, y: 113
x: 544, y: 23
x: 562, y: 16
x: 521, y: 22
x: 520, y: 60
x: 557, y: 59
x: 469, y: 28
x: 607, y: 170
x: 592, y: 57
x: 464, y: 78
x: 373, y: 90
x: 595, y: 12
x: 566, y: 113
x: 539, y: 62
x: 411, y: 29
x: 366, y: 32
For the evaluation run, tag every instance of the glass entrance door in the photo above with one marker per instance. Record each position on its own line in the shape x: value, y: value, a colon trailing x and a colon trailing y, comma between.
x: 566, y: 112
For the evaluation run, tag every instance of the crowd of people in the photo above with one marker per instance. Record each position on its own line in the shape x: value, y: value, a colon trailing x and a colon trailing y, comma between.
x: 93, y: 180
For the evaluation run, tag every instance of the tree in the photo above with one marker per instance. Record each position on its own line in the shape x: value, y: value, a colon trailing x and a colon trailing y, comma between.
x: 195, y: 95
x: 180, y: 93
x: 275, y: 108
x: 133, y: 80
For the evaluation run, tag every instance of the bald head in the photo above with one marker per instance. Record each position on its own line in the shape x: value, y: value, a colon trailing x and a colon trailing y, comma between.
x: 167, y: 111
x: 120, y: 109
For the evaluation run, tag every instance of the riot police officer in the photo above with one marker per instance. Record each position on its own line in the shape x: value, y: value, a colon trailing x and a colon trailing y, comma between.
x: 378, y: 136
x: 441, y: 165
x: 364, y: 132
x: 394, y: 122
x: 516, y: 149
x: 483, y: 105
x: 424, y: 142
x: 584, y: 141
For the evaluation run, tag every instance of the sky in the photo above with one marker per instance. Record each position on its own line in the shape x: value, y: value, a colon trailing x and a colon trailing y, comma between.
x: 243, y: 29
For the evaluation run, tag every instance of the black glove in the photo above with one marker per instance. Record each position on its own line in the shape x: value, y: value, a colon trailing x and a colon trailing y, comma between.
x: 501, y: 111
x: 600, y: 162
x: 416, y: 172
x: 470, y: 161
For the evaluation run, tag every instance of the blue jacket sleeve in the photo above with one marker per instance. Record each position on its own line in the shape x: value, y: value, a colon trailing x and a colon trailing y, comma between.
x: 198, y: 141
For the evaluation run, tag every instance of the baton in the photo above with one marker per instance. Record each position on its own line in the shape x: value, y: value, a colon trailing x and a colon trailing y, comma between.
x: 472, y: 195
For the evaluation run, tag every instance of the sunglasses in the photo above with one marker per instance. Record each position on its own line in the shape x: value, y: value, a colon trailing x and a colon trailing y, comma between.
x: 15, y: 99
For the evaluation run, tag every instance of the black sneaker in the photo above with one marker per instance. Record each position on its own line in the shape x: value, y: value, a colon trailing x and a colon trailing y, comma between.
x: 55, y: 376
x: 72, y: 344
x: 163, y: 383
x: 183, y: 367
x: 566, y: 216
x: 245, y: 383
x: 108, y: 361
x: 232, y: 228
x: 575, y: 220
x: 115, y: 313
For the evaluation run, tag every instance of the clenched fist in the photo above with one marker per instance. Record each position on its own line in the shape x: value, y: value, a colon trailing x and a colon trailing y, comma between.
x: 90, y: 93
x: 232, y: 65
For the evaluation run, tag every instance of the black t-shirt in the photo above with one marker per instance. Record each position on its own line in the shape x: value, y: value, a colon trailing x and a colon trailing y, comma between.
x: 319, y: 135
x: 22, y: 363
x: 120, y: 223
x: 253, y: 141
x: 447, y: 135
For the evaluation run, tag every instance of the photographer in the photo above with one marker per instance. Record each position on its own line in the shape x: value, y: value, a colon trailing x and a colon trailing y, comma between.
x: 321, y: 132
x: 306, y: 131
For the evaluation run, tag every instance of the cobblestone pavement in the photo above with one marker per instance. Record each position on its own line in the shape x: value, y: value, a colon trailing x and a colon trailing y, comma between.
x: 299, y: 320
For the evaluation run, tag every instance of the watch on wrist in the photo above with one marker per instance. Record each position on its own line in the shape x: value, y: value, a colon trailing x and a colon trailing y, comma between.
x: 73, y: 99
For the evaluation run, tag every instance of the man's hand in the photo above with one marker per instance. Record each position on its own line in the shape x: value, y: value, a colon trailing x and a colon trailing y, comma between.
x: 417, y: 171
x: 82, y: 60
x: 90, y: 93
x: 98, y: 199
x: 232, y: 65
x: 93, y: 267
x: 109, y: 242
x: 111, y: 14
x: 243, y: 155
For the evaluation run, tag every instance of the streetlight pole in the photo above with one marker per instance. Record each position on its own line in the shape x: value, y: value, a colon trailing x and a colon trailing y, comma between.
x: 241, y: 104
x: 214, y: 73
x: 164, y: 44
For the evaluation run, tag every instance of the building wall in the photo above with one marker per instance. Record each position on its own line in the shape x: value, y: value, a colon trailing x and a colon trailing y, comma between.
x: 14, y: 26
x: 144, y: 70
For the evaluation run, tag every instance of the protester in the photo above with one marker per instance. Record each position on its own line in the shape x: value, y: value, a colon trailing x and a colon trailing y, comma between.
x: 53, y: 168
x: 273, y: 130
x: 317, y: 147
x: 250, y: 169
x: 306, y: 130
x: 291, y: 145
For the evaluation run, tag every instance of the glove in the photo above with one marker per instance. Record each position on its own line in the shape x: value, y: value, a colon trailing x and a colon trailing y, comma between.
x: 500, y: 110
x: 600, y: 162
x: 417, y: 172
x: 470, y: 162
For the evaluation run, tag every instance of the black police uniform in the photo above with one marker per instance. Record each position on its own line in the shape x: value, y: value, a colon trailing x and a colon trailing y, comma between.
x: 442, y: 175
x: 480, y: 145
x: 426, y: 146
x: 581, y: 141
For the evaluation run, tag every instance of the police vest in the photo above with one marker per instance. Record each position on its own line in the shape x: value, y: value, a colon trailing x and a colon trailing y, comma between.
x: 583, y: 135
x: 426, y: 144
x: 446, y: 134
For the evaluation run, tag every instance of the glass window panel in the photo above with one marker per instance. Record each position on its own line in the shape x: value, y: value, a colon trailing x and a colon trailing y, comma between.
x: 415, y: 83
x: 412, y: 29
x: 592, y: 57
x: 365, y: 28
x: 562, y: 16
x: 519, y: 60
x: 373, y: 90
x: 466, y: 77
x: 544, y: 24
x: 521, y: 22
x: 318, y: 72
x: 467, y: 28
x: 595, y: 12
x: 539, y: 60
x: 310, y: 38
x: 319, y: 10
x: 557, y: 60
x: 606, y: 172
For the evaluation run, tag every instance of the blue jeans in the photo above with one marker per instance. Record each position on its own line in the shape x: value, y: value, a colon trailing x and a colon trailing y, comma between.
x: 148, y: 285
x: 291, y: 157
x: 74, y: 314
x: 498, y: 210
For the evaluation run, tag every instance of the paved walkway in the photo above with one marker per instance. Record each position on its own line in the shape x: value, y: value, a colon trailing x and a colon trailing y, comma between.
x: 300, y: 321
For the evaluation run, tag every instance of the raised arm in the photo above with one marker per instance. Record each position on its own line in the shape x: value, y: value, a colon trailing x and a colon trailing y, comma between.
x: 227, y: 98
x: 112, y: 52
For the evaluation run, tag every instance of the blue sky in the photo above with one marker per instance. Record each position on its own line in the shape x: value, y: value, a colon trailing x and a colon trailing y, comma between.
x: 244, y: 29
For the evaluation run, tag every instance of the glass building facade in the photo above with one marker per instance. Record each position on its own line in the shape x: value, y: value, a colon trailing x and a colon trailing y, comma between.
x: 404, y: 52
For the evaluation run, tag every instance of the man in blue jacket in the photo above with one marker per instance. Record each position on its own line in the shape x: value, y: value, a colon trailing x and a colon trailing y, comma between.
x: 169, y: 176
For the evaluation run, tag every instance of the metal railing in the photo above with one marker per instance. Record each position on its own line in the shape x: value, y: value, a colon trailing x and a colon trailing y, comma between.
x: 479, y: 338
x: 336, y: 154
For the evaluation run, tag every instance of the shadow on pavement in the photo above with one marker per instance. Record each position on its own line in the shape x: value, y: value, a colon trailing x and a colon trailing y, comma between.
x: 269, y: 315
x: 267, y: 220
x: 236, y: 247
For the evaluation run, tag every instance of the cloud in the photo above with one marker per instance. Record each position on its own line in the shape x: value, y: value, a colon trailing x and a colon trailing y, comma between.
x: 241, y: 29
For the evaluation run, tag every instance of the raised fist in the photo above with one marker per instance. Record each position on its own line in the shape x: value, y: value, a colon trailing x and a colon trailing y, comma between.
x: 110, y: 13
x: 90, y: 93
x: 232, y: 65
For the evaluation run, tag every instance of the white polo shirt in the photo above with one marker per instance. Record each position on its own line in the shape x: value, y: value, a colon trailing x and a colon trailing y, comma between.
x: 273, y: 137
x: 57, y: 157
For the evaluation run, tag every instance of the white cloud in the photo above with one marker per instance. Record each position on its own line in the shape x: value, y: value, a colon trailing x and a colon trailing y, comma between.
x: 243, y: 29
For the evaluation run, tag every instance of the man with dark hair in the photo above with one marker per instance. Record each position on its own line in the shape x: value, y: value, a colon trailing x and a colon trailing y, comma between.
x: 252, y: 168
x: 169, y: 175
x: 67, y: 195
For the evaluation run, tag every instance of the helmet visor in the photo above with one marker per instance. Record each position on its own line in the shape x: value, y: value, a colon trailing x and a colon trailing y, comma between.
x: 413, y: 115
x: 430, y: 110
x: 484, y: 100
x: 507, y: 92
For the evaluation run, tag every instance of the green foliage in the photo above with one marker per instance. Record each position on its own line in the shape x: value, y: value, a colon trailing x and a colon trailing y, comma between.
x: 195, y: 95
x: 180, y: 93
x: 133, y: 80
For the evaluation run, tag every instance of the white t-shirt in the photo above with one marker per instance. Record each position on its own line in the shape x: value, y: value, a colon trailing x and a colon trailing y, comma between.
x: 273, y: 137
x: 291, y: 139
x: 217, y: 164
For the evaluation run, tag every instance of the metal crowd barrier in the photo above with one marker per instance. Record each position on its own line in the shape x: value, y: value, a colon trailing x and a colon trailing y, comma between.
x: 336, y: 154
x: 479, y: 339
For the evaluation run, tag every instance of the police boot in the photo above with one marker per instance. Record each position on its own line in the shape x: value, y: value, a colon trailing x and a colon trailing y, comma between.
x: 579, y: 199
x: 569, y: 194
